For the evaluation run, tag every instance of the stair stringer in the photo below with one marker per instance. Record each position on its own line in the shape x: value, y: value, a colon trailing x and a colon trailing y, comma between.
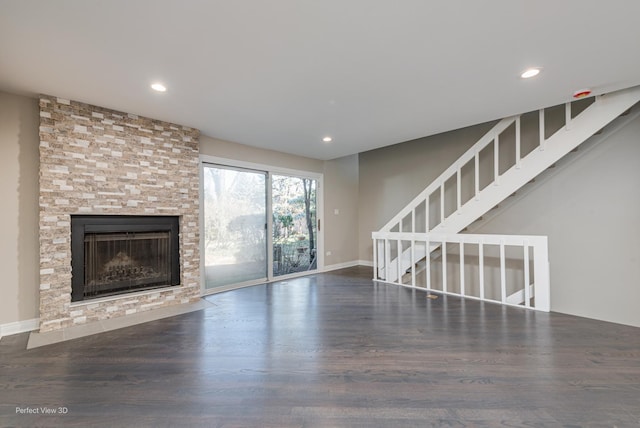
x: 617, y: 124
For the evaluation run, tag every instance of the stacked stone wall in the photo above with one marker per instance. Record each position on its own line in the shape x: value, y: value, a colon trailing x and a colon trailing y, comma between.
x: 99, y: 161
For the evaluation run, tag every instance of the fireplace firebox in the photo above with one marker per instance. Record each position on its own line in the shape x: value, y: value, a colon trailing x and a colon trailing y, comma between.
x: 120, y: 254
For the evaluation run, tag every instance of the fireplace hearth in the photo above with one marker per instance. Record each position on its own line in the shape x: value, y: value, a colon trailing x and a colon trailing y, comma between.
x: 113, y: 255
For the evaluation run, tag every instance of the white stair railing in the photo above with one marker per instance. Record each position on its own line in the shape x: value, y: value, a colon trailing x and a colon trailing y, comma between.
x: 455, y: 170
x: 520, y: 279
x: 416, y: 216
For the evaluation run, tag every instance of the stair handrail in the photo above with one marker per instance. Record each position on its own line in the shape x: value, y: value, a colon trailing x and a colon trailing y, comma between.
x: 470, y: 154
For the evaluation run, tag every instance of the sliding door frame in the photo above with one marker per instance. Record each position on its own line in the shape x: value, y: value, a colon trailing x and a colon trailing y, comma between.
x: 270, y: 170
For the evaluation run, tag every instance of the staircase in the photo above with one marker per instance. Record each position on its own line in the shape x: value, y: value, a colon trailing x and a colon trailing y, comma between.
x: 499, y: 164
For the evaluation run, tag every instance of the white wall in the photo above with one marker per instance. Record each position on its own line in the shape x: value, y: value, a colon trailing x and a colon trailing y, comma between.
x: 19, y: 254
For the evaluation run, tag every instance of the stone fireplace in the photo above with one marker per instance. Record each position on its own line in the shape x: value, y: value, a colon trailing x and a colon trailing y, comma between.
x: 119, y: 214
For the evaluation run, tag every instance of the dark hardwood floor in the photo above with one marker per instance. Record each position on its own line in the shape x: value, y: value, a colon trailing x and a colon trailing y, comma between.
x: 332, y: 350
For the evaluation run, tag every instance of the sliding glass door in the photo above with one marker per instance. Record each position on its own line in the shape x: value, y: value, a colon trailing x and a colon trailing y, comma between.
x: 294, y: 232
x: 235, y: 218
x: 257, y: 225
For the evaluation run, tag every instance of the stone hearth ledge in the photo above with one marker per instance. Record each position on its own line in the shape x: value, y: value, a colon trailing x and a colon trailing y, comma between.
x: 75, y: 332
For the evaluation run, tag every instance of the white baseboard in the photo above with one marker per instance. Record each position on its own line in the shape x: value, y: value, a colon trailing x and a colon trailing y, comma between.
x: 337, y: 266
x: 352, y: 263
x: 19, y: 327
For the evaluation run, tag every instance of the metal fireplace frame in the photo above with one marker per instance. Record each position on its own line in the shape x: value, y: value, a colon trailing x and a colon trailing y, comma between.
x: 83, y: 224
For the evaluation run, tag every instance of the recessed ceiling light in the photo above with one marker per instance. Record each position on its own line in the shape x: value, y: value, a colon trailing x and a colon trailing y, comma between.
x: 530, y: 72
x: 327, y: 139
x: 159, y: 87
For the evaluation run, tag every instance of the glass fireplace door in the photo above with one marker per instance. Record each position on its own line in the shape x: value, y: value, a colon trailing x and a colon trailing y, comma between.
x: 235, y: 221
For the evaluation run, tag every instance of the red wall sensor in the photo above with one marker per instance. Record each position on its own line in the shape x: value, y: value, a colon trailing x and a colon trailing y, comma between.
x: 582, y: 93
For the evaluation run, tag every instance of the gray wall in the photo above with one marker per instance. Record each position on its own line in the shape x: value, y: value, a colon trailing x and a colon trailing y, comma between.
x: 392, y: 176
x: 341, y: 228
x: 588, y: 207
x: 226, y: 149
x: 19, y: 254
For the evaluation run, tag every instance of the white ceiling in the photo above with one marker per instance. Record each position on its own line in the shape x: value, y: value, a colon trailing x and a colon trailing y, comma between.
x: 281, y: 74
